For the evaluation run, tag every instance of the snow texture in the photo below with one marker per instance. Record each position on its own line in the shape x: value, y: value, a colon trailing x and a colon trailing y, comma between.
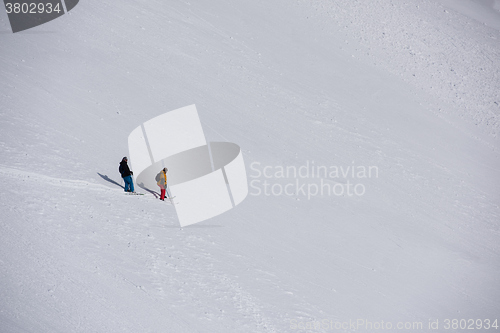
x: 411, y: 87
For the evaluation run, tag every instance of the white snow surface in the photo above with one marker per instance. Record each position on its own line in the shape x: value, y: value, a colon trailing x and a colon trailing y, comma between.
x: 411, y: 87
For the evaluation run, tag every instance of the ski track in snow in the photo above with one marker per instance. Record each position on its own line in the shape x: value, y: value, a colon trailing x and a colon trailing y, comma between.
x: 179, y: 273
x: 411, y: 87
x: 50, y: 181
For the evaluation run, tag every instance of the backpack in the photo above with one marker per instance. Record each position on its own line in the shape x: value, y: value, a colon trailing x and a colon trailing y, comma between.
x: 157, y: 178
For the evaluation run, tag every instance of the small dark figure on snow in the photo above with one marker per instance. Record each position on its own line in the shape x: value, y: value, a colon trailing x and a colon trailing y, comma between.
x: 126, y: 175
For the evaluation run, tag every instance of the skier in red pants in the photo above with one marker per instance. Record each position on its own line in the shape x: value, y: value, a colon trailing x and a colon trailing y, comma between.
x: 162, y: 182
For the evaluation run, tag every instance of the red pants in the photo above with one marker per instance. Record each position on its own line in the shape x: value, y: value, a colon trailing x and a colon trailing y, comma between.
x: 162, y: 196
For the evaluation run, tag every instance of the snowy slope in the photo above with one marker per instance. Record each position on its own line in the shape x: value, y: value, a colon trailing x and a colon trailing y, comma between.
x: 409, y: 87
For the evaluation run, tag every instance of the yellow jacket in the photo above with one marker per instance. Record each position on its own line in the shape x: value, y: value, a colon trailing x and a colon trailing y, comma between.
x: 163, y: 180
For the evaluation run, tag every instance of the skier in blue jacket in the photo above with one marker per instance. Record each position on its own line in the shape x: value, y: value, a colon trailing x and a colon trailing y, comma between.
x: 126, y: 175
